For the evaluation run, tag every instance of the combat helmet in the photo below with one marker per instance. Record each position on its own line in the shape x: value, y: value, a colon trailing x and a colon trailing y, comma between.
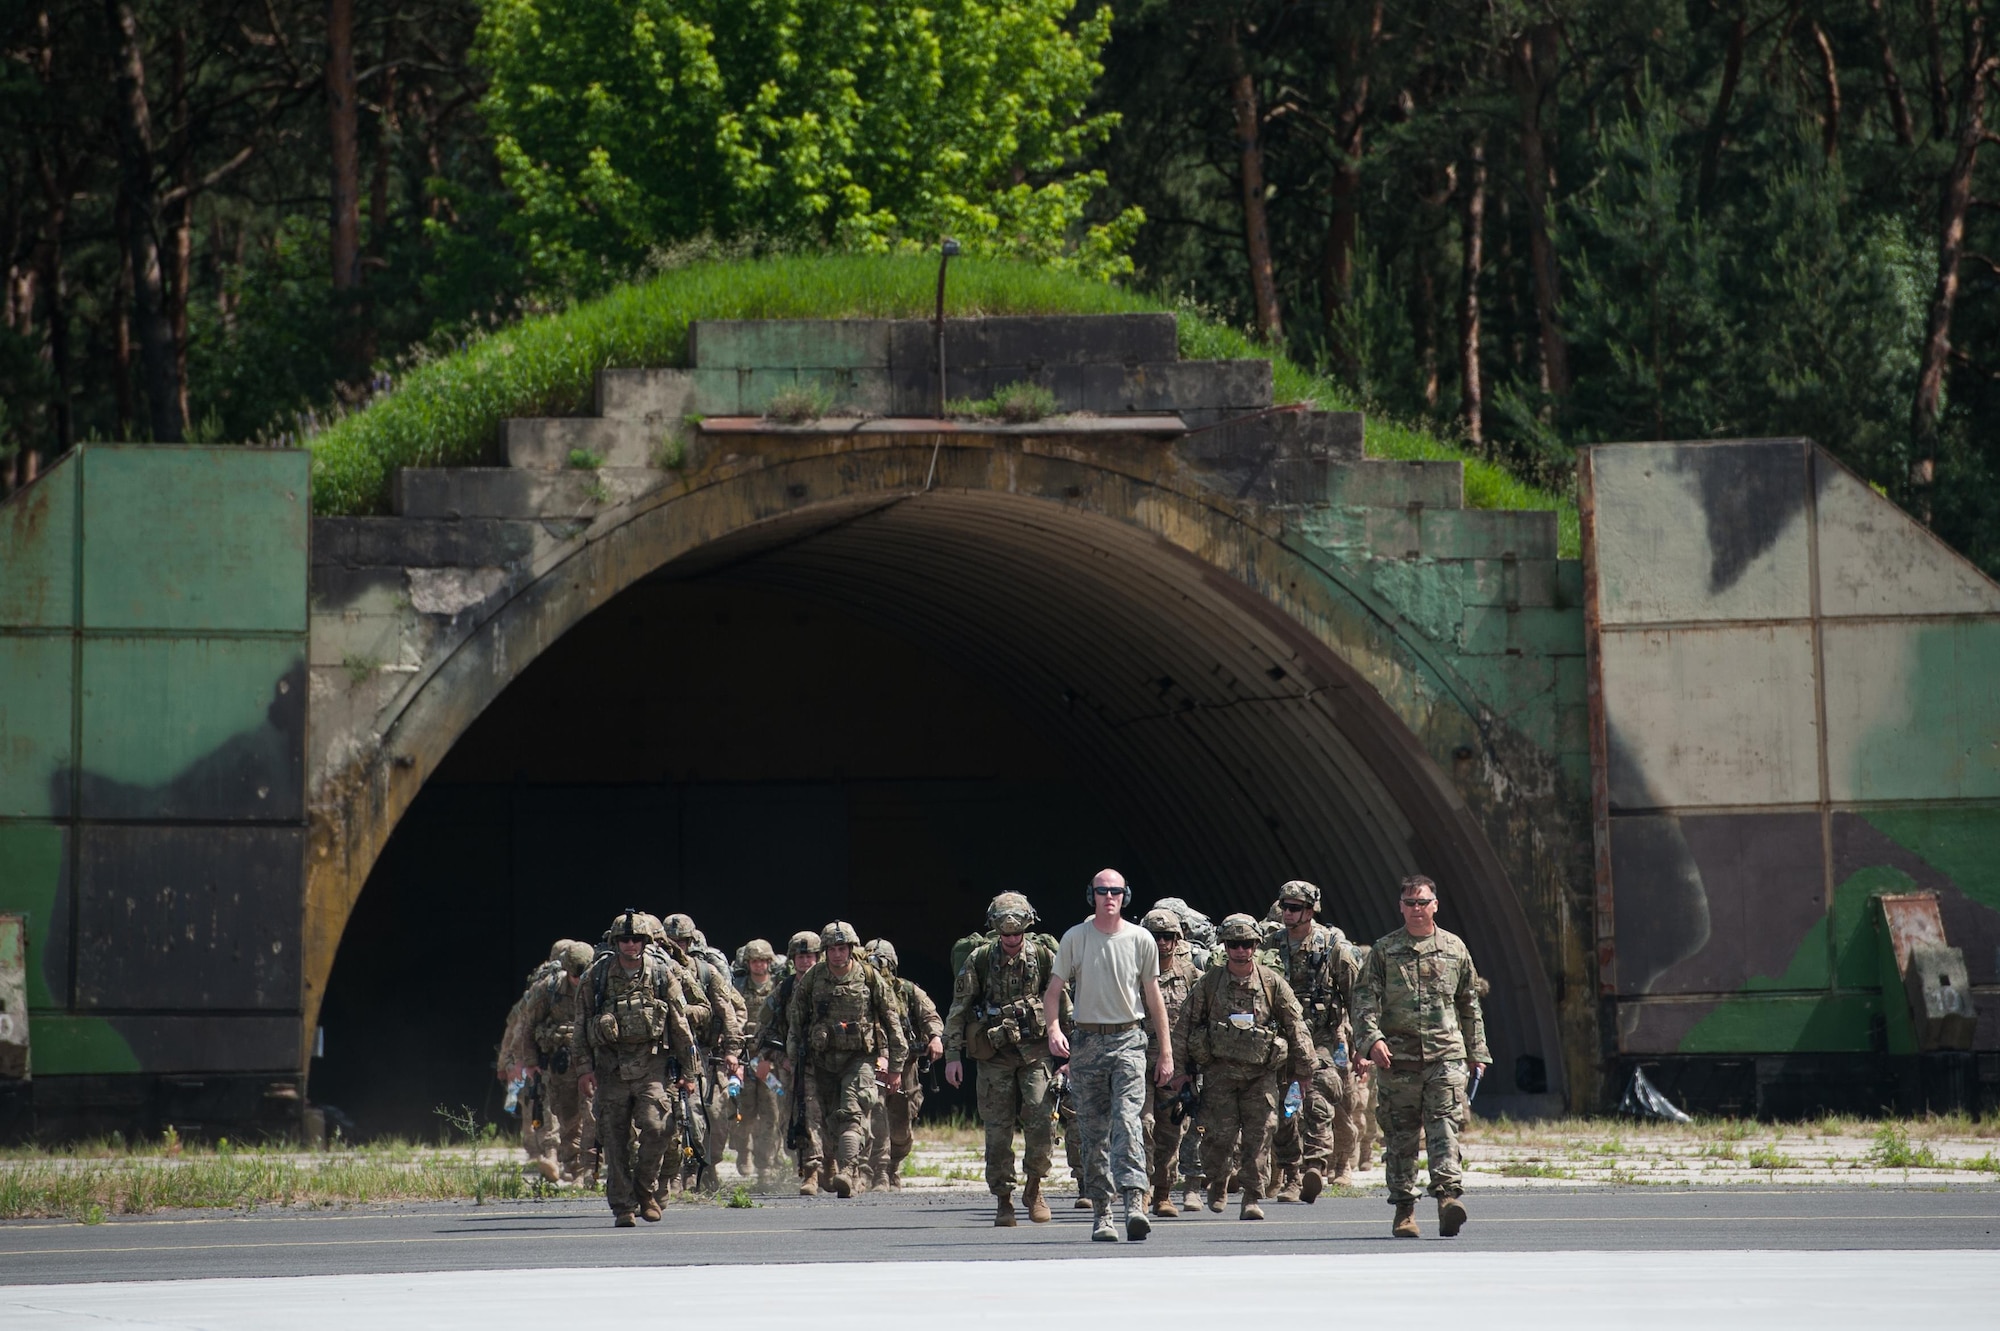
x: 632, y: 923
x: 1162, y: 923
x: 1300, y: 890
x: 561, y: 949
x: 758, y: 949
x: 805, y: 940
x: 575, y: 956
x: 883, y: 953
x: 1238, y: 928
x: 680, y: 929
x: 839, y: 931
x: 1015, y: 910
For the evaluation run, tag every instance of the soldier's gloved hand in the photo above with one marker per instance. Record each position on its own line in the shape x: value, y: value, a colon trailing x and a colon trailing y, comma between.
x: 954, y: 1072
x: 936, y: 1048
x: 1378, y: 1054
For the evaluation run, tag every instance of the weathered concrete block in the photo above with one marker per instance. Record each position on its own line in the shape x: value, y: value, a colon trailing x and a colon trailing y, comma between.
x: 1516, y: 582
x: 546, y: 443
x: 1390, y: 484
x: 656, y: 397
x: 1278, y: 458
x: 1492, y: 630
x: 1231, y: 386
x: 502, y: 492
x: 1359, y: 534
x: 411, y: 543
x: 862, y: 392
x: 1481, y: 533
x: 789, y: 344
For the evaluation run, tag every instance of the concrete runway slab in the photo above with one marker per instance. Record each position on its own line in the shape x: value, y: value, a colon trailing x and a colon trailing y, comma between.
x: 1546, y: 1291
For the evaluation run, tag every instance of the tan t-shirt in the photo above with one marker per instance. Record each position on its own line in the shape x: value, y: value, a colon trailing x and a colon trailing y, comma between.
x: 1105, y: 972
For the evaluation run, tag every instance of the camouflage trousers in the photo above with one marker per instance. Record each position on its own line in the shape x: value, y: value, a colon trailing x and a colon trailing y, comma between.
x: 1421, y: 1101
x: 757, y: 1127
x: 1163, y: 1136
x: 1014, y: 1089
x: 811, y: 1150
x: 843, y: 1094
x: 893, y: 1126
x: 1361, y: 1118
x: 1319, y: 1136
x: 1107, y: 1076
x: 634, y: 1120
x: 1071, y: 1140
x: 566, y: 1129
x: 1239, y: 1104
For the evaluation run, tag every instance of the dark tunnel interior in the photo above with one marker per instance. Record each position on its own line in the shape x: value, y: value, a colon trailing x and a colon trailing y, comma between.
x: 886, y: 716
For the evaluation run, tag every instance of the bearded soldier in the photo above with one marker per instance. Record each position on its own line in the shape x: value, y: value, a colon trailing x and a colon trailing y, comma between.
x: 845, y: 1030
x: 1243, y: 1029
x: 1418, y: 1016
x: 896, y: 1111
x: 996, y: 1017
x: 1314, y: 1145
x: 1163, y: 1133
x: 632, y: 1015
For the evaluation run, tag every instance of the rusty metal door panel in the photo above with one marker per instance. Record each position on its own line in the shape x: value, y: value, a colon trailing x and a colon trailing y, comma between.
x: 1710, y: 716
x: 13, y: 997
x: 38, y: 552
x: 34, y: 884
x: 189, y: 917
x: 195, y: 538
x: 1701, y: 532
x: 193, y: 728
x: 1913, y: 709
x: 35, y: 717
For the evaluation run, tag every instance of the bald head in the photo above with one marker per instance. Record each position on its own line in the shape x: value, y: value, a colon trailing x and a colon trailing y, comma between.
x: 1107, y: 878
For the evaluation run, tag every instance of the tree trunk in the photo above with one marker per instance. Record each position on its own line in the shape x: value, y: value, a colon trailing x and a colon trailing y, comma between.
x: 180, y: 226
x: 1532, y: 65
x: 141, y: 230
x: 1955, y: 202
x: 344, y: 136
x: 1250, y: 168
x: 1352, y: 68
x: 1718, y: 120
x: 1830, y: 78
x: 1472, y: 400
x: 385, y: 134
x: 1892, y: 82
x: 121, y: 330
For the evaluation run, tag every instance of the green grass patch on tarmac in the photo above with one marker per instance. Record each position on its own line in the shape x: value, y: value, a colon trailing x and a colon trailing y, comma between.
x: 446, y: 412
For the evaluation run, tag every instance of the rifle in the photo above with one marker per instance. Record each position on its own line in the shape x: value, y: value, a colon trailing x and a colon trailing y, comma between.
x: 795, y: 1132
x: 1186, y: 1105
x: 694, y: 1156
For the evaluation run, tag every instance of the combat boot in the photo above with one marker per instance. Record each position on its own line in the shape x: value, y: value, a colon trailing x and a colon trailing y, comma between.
x: 1163, y: 1202
x: 1217, y: 1198
x: 809, y: 1183
x: 840, y: 1184
x: 547, y: 1169
x: 1031, y: 1197
x: 1003, y: 1214
x: 623, y: 1220
x: 1311, y: 1186
x: 1406, y: 1221
x: 1288, y: 1186
x: 1343, y: 1179
x: 1451, y: 1216
x: 1101, y: 1229
x: 1137, y: 1227
x: 1196, y: 1186
x: 1248, y: 1208
x: 649, y: 1208
x: 894, y: 1178
x: 1083, y: 1203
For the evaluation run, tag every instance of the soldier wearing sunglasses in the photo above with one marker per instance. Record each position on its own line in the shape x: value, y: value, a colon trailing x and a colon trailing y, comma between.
x: 1417, y: 1014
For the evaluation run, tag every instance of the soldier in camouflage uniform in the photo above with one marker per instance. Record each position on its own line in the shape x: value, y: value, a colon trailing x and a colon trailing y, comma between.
x: 722, y: 1041
x: 519, y: 1059
x: 1313, y: 1145
x: 996, y: 1017
x: 550, y: 1012
x: 758, y: 1125
x: 844, y: 1031
x: 1163, y: 1134
x: 1362, y: 1130
x: 1417, y: 1014
x: 896, y: 1111
x: 633, y: 1014
x: 1242, y: 1027
x: 796, y: 1110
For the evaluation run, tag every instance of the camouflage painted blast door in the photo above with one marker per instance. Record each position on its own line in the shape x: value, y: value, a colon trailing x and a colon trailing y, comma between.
x: 13, y: 997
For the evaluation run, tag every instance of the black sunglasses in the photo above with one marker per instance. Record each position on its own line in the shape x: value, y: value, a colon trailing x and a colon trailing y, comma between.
x: 1420, y: 901
x: 1294, y: 905
x: 1232, y: 947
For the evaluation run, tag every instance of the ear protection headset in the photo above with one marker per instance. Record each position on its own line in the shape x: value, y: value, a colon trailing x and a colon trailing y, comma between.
x: 1124, y: 900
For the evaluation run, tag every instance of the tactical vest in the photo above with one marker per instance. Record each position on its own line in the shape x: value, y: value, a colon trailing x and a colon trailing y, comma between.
x: 632, y: 1018
x: 1306, y: 970
x: 1233, y: 1039
x: 843, y: 1017
x: 558, y: 1022
x: 1009, y: 1008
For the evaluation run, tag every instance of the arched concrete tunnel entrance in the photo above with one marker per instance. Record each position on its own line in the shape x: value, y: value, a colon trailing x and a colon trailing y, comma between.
x: 973, y: 689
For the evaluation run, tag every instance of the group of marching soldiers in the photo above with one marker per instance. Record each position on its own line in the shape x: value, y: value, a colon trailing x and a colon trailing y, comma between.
x: 640, y: 1059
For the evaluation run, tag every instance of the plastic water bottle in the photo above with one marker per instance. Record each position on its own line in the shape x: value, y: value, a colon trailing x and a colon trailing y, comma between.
x: 771, y: 1080
x: 735, y: 1085
x: 514, y: 1094
x: 1293, y: 1100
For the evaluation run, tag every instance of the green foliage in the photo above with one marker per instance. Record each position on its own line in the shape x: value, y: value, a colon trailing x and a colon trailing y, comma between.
x: 1016, y: 404
x: 627, y: 125
x: 740, y: 1199
x: 1769, y: 1157
x: 447, y: 412
x: 582, y: 459
x: 801, y: 403
x: 1894, y: 1150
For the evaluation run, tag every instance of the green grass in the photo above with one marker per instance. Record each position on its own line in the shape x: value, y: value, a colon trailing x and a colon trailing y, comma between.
x: 447, y: 412
x: 1894, y: 1150
x: 1770, y: 1157
x: 1016, y: 404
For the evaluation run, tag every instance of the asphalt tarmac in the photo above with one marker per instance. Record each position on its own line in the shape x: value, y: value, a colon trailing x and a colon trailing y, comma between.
x: 957, y: 1227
